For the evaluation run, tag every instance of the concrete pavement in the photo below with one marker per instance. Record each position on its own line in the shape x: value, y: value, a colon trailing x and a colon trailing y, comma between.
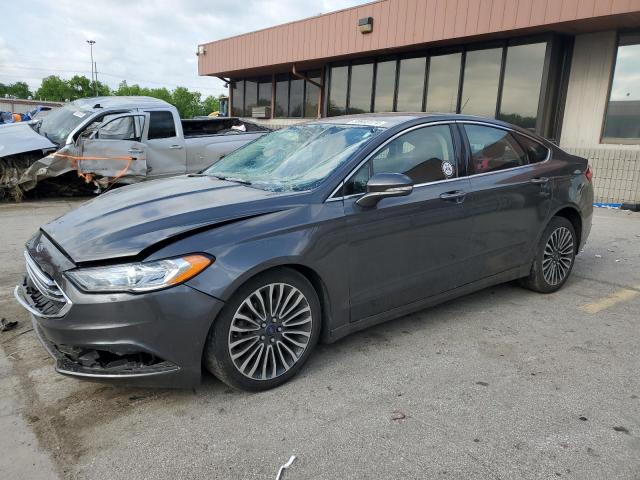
x: 504, y: 383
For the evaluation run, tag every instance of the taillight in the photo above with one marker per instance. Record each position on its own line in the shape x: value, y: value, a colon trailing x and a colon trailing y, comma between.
x: 589, y: 173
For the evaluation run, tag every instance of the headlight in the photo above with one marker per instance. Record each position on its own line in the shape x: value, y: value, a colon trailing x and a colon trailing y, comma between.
x: 139, y: 277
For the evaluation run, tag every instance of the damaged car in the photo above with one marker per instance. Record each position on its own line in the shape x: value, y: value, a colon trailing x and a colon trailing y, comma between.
x: 92, y: 143
x: 308, y: 233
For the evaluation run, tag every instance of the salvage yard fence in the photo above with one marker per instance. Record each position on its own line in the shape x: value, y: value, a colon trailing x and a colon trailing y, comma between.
x: 616, y: 173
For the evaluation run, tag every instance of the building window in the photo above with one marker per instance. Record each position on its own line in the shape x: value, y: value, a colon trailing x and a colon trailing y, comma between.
x: 622, y: 121
x: 411, y: 84
x: 296, y: 96
x: 237, y: 98
x: 250, y: 96
x: 442, y: 87
x: 385, y: 86
x: 282, y: 96
x: 503, y: 82
x: 361, y: 88
x: 338, y: 91
x: 522, y: 83
x: 264, y: 92
x: 311, y: 95
x: 480, y: 85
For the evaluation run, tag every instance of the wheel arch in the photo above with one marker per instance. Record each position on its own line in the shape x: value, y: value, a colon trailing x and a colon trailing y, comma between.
x: 572, y: 214
x: 311, y: 274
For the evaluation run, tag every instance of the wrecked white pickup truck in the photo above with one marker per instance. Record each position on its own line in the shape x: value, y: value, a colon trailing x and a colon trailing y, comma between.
x: 104, y: 140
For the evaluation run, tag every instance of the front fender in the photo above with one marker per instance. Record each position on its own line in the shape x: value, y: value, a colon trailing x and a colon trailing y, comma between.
x: 312, y: 237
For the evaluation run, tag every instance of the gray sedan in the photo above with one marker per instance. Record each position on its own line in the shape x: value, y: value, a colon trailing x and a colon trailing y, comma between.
x: 308, y: 233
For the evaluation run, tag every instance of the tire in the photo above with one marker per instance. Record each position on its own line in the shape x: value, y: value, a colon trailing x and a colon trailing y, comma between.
x: 555, y: 256
x: 266, y: 332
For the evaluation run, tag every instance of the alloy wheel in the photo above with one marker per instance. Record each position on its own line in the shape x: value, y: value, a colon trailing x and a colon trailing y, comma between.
x: 557, y: 256
x: 270, y: 331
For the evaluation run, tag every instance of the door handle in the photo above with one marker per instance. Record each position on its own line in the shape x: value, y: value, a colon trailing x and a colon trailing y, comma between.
x: 135, y: 150
x: 176, y: 147
x: 540, y: 180
x: 457, y: 195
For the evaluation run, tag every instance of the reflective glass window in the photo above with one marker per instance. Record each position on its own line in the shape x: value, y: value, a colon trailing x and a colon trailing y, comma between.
x: 361, y: 88
x: 282, y: 96
x: 311, y: 95
x: 522, y: 83
x: 442, y: 87
x: 411, y: 84
x: 296, y: 94
x: 623, y: 111
x: 250, y: 96
x: 480, y: 84
x: 338, y: 91
x: 237, y: 100
x: 385, y: 86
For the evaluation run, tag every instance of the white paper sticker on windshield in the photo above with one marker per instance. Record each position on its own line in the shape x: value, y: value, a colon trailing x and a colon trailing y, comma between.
x: 79, y: 114
x: 371, y: 123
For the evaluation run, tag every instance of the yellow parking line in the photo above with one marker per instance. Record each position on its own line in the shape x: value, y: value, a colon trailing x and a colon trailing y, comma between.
x: 623, y: 295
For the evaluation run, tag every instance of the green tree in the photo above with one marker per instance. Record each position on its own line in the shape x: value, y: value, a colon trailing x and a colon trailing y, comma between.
x: 188, y: 103
x: 54, y: 88
x: 17, y: 90
x: 210, y: 104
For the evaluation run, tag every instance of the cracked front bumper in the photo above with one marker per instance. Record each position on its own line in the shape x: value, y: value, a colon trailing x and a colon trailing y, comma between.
x: 151, y: 339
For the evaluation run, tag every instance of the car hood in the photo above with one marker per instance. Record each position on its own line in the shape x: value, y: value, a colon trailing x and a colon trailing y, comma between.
x: 20, y: 138
x: 125, y: 222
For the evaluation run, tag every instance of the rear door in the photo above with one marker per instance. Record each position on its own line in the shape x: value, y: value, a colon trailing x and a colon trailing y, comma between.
x: 166, y: 153
x: 114, y: 149
x: 510, y: 196
x: 408, y: 248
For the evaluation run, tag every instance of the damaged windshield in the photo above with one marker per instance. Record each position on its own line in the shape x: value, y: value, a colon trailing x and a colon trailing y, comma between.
x: 293, y: 159
x: 60, y: 122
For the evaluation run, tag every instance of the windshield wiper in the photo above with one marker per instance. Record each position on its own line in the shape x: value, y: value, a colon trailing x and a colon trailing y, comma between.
x: 232, y: 179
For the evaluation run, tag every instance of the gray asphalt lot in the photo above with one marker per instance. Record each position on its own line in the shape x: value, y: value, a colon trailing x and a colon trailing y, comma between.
x: 501, y: 384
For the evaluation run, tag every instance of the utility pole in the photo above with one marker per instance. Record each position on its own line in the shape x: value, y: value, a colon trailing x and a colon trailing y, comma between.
x: 93, y: 82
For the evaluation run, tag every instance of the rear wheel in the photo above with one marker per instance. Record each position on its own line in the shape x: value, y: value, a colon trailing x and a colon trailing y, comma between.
x: 554, y: 258
x: 266, y: 332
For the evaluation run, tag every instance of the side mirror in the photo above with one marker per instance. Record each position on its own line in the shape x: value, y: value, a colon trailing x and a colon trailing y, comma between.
x: 383, y: 185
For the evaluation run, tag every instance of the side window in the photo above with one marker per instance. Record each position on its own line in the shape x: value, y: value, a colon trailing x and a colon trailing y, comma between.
x: 161, y: 125
x: 536, y: 152
x: 358, y: 182
x: 424, y: 155
x: 493, y: 149
x: 123, y: 128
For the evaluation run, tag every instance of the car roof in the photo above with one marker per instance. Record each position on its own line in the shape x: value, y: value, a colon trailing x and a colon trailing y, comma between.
x: 392, y: 119
x: 120, y: 102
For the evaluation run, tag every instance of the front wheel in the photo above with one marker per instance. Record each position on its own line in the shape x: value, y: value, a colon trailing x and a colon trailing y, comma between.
x: 554, y: 258
x: 266, y: 332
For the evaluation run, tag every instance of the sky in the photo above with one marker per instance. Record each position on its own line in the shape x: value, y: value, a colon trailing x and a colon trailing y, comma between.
x: 148, y: 42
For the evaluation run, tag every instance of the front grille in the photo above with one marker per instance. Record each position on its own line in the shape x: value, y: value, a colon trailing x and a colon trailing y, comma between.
x: 46, y: 296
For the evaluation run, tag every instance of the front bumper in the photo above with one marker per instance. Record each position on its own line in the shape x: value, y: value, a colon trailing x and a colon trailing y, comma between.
x: 152, y: 339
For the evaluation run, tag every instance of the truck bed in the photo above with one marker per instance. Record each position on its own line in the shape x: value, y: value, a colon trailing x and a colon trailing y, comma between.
x: 204, y: 127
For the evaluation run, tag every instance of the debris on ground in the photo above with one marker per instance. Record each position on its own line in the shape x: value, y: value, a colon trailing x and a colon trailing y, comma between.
x: 6, y: 325
x: 284, y: 467
x: 398, y: 416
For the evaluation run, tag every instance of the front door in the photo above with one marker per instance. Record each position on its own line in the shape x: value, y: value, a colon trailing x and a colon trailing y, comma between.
x: 408, y: 248
x: 114, y: 149
x: 509, y: 200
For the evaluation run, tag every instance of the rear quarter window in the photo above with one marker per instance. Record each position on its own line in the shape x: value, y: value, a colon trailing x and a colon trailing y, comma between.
x: 536, y: 152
